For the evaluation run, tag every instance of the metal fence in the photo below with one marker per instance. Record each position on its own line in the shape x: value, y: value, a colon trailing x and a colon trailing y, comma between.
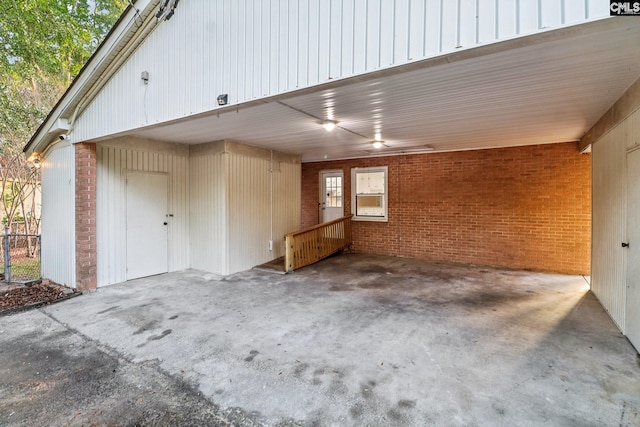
x: 20, y: 257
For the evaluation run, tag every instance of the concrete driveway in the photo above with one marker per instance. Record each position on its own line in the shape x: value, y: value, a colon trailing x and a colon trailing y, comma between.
x: 354, y: 340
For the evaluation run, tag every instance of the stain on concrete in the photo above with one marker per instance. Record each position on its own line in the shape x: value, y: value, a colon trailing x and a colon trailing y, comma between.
x: 300, y: 369
x: 252, y: 355
x: 159, y: 337
x: 68, y: 380
x: 109, y: 309
x: 146, y: 327
x: 406, y: 404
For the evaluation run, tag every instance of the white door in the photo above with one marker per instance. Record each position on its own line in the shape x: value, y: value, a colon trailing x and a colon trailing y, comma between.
x: 331, y: 195
x: 147, y: 224
x: 632, y: 246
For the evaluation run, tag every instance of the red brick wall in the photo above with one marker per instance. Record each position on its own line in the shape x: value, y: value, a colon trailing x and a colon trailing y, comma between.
x: 523, y: 207
x: 86, y: 253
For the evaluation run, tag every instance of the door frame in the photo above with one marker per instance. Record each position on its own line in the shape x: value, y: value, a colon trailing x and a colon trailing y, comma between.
x: 321, y: 190
x: 127, y: 174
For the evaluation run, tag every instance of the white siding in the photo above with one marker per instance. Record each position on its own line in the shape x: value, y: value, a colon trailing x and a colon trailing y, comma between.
x: 58, y: 216
x: 236, y: 208
x: 259, y: 209
x: 206, y: 210
x: 609, y: 270
x: 113, y: 160
x: 253, y: 49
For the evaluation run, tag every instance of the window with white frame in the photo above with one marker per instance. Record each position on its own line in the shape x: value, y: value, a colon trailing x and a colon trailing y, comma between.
x: 369, y: 193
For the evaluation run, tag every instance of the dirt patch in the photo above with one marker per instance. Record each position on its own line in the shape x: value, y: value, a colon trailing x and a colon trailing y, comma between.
x: 23, y: 297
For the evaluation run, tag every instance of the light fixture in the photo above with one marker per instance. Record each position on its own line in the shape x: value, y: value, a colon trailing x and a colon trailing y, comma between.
x: 223, y: 99
x: 329, y: 125
x: 144, y: 76
x: 35, y: 159
x: 377, y: 144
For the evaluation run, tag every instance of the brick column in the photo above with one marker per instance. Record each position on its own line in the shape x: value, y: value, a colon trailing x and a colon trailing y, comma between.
x: 86, y: 250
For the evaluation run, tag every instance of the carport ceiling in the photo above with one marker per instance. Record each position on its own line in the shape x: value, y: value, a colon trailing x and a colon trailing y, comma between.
x: 545, y: 88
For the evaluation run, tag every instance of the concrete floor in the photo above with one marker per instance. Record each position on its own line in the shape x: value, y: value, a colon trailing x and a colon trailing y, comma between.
x: 353, y: 340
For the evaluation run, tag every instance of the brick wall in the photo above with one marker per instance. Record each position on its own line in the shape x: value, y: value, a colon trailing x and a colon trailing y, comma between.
x: 523, y: 207
x: 86, y: 254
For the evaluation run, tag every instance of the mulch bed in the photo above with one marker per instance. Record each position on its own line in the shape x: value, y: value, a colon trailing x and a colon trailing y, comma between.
x: 23, y: 297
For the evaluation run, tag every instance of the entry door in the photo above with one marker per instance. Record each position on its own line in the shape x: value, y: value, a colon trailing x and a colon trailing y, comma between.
x: 147, y: 221
x: 331, y: 195
x: 632, y: 313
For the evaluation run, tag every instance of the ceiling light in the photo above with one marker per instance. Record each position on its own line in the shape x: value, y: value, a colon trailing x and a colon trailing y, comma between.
x: 377, y: 144
x: 329, y: 125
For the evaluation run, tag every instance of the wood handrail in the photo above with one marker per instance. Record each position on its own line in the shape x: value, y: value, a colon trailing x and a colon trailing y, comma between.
x: 312, y: 244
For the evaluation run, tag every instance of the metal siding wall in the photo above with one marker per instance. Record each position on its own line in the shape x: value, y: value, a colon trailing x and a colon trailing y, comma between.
x: 287, y: 181
x: 253, y: 49
x: 609, y: 270
x: 249, y: 209
x: 58, y: 216
x: 206, y: 212
x: 112, y: 164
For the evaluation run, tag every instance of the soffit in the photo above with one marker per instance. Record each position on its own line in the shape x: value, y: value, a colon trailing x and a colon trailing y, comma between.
x: 534, y: 94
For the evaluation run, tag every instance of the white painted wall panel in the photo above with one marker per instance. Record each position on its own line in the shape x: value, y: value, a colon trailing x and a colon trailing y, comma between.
x: 233, y: 210
x: 253, y: 49
x: 255, y: 213
x: 207, y: 212
x: 609, y: 270
x: 113, y: 160
x: 58, y: 216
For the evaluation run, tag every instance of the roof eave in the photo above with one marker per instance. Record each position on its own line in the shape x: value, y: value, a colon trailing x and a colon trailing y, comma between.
x: 125, y: 28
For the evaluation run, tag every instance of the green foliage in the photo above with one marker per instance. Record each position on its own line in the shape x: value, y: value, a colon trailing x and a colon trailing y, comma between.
x: 43, y: 46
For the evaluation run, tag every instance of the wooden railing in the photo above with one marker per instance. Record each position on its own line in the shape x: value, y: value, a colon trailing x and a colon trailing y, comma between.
x: 312, y: 244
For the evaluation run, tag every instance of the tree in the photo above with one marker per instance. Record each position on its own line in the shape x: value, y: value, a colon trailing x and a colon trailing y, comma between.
x: 43, y: 46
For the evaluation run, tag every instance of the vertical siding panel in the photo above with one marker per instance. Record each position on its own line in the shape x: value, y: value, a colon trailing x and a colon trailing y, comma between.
x: 293, y: 49
x: 449, y: 25
x: 550, y: 13
x: 402, y: 30
x: 416, y: 29
x: 58, y: 216
x: 303, y: 43
x: 373, y: 35
x: 360, y: 37
x: 468, y: 23
x: 609, y: 222
x: 324, y: 41
x: 335, y: 38
x: 506, y: 19
x: 386, y: 33
x: 347, y: 42
x: 575, y: 11
x: 433, y: 23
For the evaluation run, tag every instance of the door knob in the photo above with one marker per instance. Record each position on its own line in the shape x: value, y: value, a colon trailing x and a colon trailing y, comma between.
x: 625, y: 244
x: 165, y: 223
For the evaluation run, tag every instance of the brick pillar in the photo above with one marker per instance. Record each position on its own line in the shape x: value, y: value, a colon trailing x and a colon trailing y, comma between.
x: 86, y: 250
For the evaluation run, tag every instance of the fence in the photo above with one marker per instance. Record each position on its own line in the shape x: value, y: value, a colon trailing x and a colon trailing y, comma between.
x: 20, y: 256
x: 312, y: 244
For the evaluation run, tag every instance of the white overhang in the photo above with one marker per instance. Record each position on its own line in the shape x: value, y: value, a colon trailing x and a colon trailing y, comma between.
x: 545, y: 88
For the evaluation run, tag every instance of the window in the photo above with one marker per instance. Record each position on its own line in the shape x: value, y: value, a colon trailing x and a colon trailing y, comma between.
x: 369, y: 193
x: 333, y: 191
